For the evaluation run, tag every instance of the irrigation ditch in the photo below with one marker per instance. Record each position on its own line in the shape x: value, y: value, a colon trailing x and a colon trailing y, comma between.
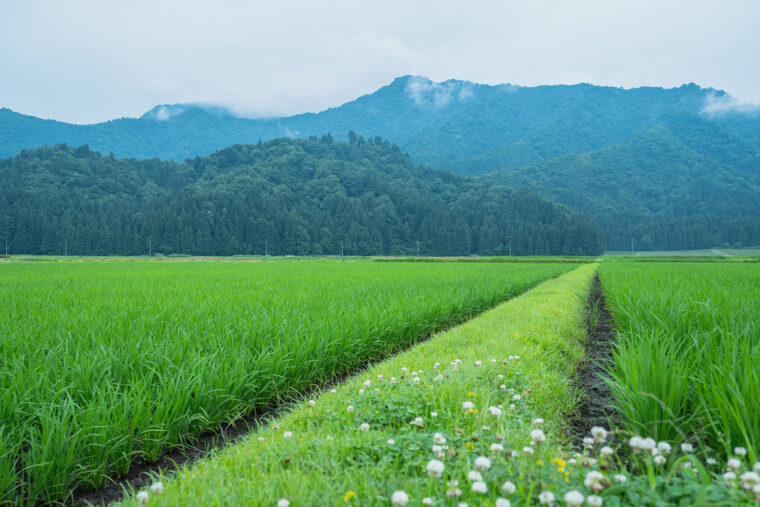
x: 595, y: 407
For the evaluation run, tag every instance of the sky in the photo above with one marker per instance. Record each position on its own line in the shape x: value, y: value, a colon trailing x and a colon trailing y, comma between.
x: 91, y: 61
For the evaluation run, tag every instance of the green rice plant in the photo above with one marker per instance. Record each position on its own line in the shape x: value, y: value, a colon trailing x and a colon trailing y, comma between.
x: 477, y: 389
x: 105, y: 363
x: 688, y: 344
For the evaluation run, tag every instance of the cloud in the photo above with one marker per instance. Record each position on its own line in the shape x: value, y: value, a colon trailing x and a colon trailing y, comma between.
x: 725, y: 103
x: 162, y: 114
x: 425, y: 92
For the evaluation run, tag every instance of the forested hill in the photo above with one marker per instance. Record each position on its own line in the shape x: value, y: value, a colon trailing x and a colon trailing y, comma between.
x: 686, y: 183
x: 465, y: 127
x: 299, y: 196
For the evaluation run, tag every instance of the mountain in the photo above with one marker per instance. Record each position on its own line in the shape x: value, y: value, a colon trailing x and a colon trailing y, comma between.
x: 456, y: 125
x: 685, y: 183
x: 669, y: 168
x: 301, y: 197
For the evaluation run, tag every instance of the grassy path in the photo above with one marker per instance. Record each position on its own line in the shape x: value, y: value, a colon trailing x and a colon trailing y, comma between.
x: 473, y: 391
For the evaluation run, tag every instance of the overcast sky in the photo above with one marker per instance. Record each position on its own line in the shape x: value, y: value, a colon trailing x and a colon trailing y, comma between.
x: 83, y: 61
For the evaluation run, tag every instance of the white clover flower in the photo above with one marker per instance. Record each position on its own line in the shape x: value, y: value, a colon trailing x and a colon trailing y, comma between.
x: 393, y: 380
x: 740, y: 451
x: 635, y: 443
x: 516, y: 397
x: 514, y: 454
x: 756, y: 467
x: 593, y: 481
x: 261, y: 439
x: 328, y: 437
x: 468, y: 405
x: 283, y: 502
x: 648, y: 444
x: 404, y: 370
x: 477, y: 364
x: 711, y: 461
x: 350, y: 408
x: 399, y: 499
x: 512, y: 408
x: 546, y: 498
x: 435, y: 468
x: 537, y: 436
x: 594, y: 500
x: 361, y: 391
x: 508, y: 487
x: 364, y: 427
x: 574, y: 498
x: 142, y: 497
x: 588, y: 442
x: 572, y: 461
x: 621, y: 478
x: 503, y: 387
x: 312, y: 403
x: 528, y: 451
x: 454, y: 365
x: 391, y: 441
x: 538, y: 421
x: 157, y: 488
x: 733, y: 464
x: 380, y: 377
x: 660, y: 460
x: 439, y: 439
x: 599, y: 434
x: 287, y: 434
x: 453, y: 491
x: 687, y: 448
x: 433, y: 414
x: 377, y: 390
x: 427, y: 501
x: 494, y: 411
x: 500, y: 377
x: 333, y: 391
x: 511, y: 358
x: 416, y: 380
x: 729, y: 477
x: 606, y: 451
x: 367, y: 383
x: 496, y: 448
x: 474, y: 475
x: 482, y: 463
x: 479, y: 487
x: 749, y: 480
x: 493, y: 361
x: 436, y: 366
x: 438, y: 451
x: 664, y: 448
x: 501, y: 502
x: 418, y: 422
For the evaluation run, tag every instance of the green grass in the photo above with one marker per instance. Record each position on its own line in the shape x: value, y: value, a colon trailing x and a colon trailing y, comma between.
x: 330, y: 461
x: 686, y: 362
x: 102, y: 363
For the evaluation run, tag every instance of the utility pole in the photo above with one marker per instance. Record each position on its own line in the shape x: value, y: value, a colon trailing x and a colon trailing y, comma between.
x: 631, y: 246
x: 266, y: 248
x: 510, y: 248
x: 418, y: 248
x: 150, y: 248
x: 65, y: 248
x: 6, y: 247
x: 341, y: 248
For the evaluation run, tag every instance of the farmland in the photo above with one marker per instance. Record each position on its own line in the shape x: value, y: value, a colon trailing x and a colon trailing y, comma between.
x: 103, y: 364
x: 686, y: 363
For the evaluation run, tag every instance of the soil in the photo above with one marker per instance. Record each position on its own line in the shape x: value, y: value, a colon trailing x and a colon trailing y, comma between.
x: 595, y: 408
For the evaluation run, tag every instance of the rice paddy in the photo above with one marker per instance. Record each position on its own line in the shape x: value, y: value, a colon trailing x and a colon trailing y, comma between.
x: 686, y: 362
x: 102, y: 364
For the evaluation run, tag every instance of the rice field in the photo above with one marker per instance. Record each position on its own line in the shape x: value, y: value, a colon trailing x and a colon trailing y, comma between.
x: 686, y: 363
x: 103, y: 363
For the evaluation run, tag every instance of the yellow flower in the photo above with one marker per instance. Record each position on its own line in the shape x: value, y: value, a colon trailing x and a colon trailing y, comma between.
x: 349, y: 496
x: 470, y: 394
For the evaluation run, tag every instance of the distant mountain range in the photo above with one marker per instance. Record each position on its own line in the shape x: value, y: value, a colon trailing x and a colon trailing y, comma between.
x: 668, y: 168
